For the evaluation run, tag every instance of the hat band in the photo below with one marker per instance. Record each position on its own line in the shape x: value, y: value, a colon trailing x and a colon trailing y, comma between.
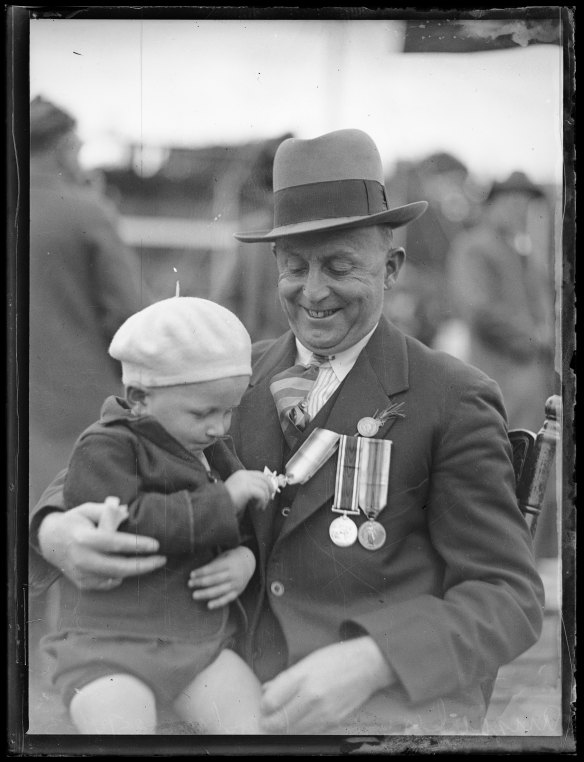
x: 322, y: 201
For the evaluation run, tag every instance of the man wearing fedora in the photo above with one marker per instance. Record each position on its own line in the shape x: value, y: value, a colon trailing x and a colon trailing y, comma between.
x: 391, y: 615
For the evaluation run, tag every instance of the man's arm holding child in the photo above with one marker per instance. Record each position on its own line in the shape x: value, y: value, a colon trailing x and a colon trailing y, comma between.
x: 182, y: 521
x: 69, y: 542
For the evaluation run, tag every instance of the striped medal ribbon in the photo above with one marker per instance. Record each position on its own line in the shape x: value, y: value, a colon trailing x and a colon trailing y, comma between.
x: 375, y: 462
x: 343, y: 530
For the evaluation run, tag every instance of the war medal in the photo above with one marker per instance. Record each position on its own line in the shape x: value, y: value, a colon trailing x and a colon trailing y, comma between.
x: 372, y: 535
x: 373, y: 483
x: 343, y: 530
x: 370, y: 425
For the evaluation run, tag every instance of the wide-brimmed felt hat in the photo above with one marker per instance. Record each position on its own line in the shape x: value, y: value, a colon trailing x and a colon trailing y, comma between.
x: 517, y: 182
x: 332, y: 182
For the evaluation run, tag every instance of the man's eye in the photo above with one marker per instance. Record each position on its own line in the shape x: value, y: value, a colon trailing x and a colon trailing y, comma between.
x: 295, y: 267
x: 340, y: 269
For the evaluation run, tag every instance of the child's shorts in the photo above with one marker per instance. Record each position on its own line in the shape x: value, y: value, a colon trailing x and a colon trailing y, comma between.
x: 166, y: 666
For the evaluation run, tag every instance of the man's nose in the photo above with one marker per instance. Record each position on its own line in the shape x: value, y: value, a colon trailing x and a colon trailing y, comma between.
x: 315, y: 286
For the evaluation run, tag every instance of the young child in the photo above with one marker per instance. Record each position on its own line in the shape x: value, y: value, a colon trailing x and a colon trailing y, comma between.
x: 162, y: 451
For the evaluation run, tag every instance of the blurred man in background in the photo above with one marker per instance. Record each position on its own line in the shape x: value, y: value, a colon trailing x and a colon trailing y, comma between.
x: 503, y: 296
x: 84, y: 283
x: 420, y: 305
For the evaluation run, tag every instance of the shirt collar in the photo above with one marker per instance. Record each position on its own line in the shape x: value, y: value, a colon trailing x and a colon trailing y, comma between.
x: 342, y: 362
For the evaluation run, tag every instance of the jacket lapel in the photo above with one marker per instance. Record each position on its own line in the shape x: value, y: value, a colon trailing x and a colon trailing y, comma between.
x: 381, y: 371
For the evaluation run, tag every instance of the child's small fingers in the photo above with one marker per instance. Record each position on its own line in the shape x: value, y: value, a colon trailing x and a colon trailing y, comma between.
x: 223, y: 601
x: 211, y: 574
x: 202, y: 571
x: 262, y: 491
x: 211, y: 592
x: 209, y: 579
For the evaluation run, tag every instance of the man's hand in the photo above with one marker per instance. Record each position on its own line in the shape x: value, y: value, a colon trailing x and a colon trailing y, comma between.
x: 222, y: 580
x: 318, y: 691
x: 91, y: 558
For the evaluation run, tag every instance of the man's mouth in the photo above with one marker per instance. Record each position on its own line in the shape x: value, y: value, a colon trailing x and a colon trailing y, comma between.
x: 319, y: 314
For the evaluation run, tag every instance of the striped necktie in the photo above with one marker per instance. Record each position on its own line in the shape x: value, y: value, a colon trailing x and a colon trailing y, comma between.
x: 290, y: 389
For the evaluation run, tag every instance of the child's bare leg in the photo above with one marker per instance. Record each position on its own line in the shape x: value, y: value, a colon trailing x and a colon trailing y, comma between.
x: 114, y: 705
x: 223, y: 699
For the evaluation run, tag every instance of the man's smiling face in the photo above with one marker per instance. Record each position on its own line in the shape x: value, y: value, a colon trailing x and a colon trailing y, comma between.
x: 331, y: 284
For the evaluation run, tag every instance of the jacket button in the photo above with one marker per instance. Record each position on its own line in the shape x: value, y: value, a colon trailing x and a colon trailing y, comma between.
x: 277, y: 588
x: 286, y: 511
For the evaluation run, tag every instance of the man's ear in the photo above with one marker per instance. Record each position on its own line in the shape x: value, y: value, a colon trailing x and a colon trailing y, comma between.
x: 136, y: 396
x: 394, y: 260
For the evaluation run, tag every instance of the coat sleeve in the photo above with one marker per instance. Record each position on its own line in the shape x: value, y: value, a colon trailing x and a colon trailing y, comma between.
x: 492, y: 602
x: 182, y: 521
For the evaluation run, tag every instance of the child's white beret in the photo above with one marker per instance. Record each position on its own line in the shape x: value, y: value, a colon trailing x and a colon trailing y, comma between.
x: 182, y: 340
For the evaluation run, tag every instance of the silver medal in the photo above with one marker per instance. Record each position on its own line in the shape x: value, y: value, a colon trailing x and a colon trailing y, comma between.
x: 368, y: 427
x: 343, y: 531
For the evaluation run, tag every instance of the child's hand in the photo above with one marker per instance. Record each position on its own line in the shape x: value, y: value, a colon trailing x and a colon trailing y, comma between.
x: 222, y: 580
x: 246, y: 486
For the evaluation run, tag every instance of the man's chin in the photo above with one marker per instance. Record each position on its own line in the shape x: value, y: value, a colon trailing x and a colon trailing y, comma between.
x: 319, y: 342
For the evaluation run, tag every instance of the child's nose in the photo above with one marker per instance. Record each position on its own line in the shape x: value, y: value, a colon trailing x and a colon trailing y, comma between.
x: 217, y: 428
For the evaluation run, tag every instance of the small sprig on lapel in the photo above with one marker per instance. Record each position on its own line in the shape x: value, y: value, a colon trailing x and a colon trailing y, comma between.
x: 393, y: 411
x: 370, y: 425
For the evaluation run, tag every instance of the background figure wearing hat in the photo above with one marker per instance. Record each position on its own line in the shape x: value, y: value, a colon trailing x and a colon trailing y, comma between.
x: 420, y: 301
x: 502, y: 291
x: 161, y: 452
x: 83, y: 284
x: 405, y: 638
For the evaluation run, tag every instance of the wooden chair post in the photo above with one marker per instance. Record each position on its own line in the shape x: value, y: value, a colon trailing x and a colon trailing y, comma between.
x: 532, y: 483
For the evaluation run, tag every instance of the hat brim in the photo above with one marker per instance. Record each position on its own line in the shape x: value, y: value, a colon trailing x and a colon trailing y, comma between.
x: 395, y: 218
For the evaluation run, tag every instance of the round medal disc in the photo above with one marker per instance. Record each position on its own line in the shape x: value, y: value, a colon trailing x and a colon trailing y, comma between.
x: 372, y: 535
x: 343, y: 531
x: 368, y: 427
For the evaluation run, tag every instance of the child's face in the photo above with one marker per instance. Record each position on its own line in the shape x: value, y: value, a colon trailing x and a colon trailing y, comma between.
x: 196, y: 414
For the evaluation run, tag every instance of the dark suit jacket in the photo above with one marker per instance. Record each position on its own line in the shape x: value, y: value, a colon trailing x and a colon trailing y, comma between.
x: 453, y: 594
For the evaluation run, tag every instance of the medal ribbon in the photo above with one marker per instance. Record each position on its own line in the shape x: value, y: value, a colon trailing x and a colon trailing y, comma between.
x: 347, y: 481
x: 311, y: 456
x: 374, y: 476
